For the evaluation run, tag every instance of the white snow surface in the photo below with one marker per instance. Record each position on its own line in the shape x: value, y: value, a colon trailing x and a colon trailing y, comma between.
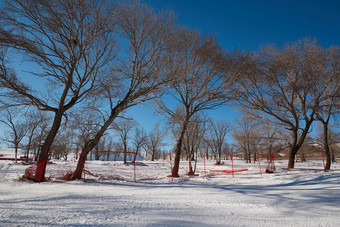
x: 306, y: 196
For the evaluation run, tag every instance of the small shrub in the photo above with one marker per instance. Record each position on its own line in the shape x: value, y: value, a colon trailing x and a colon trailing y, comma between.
x: 22, y: 178
x: 67, y: 176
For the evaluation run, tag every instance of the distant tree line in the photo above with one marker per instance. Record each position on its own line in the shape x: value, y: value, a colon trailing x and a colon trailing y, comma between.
x: 86, y: 62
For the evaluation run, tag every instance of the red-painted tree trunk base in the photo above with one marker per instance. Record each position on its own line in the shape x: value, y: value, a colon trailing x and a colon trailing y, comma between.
x: 269, y: 171
x: 36, y: 172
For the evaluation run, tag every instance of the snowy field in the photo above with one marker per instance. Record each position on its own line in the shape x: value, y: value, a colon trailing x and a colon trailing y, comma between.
x: 111, y: 197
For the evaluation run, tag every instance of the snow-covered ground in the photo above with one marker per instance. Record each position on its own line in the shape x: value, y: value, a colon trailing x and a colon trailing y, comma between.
x: 111, y: 197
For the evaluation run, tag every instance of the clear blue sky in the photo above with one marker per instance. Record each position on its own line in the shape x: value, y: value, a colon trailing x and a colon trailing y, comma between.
x: 248, y: 24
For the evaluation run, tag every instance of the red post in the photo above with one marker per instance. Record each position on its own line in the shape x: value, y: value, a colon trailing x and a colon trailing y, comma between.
x: 323, y: 159
x: 134, y: 165
x: 172, y: 177
x: 205, y: 171
x: 232, y: 162
x: 258, y: 157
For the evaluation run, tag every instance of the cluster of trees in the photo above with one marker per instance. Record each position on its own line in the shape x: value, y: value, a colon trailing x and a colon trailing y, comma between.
x: 290, y: 88
x: 95, y: 59
x: 252, y: 137
x: 26, y: 130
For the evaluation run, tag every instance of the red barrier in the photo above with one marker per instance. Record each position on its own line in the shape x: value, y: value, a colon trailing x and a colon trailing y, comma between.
x: 31, y: 171
x: 18, y: 159
x: 134, y: 166
x: 228, y: 171
x: 271, y: 165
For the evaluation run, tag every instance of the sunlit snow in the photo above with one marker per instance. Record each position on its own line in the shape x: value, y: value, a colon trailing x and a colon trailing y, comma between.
x: 111, y: 197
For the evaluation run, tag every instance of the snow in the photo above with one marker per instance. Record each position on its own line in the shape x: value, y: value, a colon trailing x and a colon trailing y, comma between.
x: 111, y: 197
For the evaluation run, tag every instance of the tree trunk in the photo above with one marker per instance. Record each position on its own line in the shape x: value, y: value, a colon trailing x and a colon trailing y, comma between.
x: 328, y: 162
x: 89, y: 145
x: 125, y: 148
x: 96, y: 155
x: 80, y: 166
x: 292, y: 152
x: 179, y: 147
x: 327, y: 150
x: 297, y: 143
x: 153, y: 155
x: 190, y: 171
x: 43, y: 156
x: 191, y: 157
x: 219, y: 155
x: 36, y: 154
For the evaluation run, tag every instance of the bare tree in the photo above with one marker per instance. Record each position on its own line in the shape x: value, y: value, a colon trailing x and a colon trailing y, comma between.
x: 280, y: 84
x: 193, y: 138
x: 85, y: 126
x: 68, y: 42
x: 270, y: 139
x: 155, y: 141
x: 123, y: 128
x: 333, y: 140
x: 62, y: 145
x: 103, y: 147
x: 324, y: 116
x: 139, y: 140
x: 328, y: 108
x: 141, y: 72
x: 217, y: 133
x: 40, y: 135
x: 246, y: 135
x: 202, y: 66
x: 109, y: 145
x: 17, y: 129
x: 34, y: 120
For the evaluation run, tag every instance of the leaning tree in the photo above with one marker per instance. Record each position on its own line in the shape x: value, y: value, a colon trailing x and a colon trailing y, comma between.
x: 140, y: 73
x: 66, y: 44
